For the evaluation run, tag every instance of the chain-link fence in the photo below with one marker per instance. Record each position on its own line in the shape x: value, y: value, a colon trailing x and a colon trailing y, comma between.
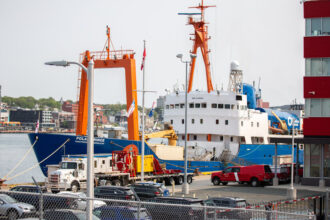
x: 69, y: 205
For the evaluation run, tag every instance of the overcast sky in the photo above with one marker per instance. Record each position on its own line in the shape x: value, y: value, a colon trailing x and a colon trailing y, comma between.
x: 265, y: 37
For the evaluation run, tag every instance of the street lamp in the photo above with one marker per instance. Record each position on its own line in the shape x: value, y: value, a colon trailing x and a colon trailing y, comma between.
x: 292, y: 192
x: 90, y: 135
x: 185, y: 186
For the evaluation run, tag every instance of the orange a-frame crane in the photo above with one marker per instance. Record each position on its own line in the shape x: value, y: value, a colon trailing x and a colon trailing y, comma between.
x: 110, y: 59
x: 200, y: 41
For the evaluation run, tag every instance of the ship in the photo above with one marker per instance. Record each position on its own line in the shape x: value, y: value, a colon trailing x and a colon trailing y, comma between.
x: 213, y: 110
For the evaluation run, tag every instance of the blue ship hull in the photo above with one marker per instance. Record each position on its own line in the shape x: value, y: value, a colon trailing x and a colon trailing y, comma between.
x: 47, y: 144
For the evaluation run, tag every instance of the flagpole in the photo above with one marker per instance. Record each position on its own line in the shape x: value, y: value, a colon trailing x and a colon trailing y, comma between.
x: 142, y: 139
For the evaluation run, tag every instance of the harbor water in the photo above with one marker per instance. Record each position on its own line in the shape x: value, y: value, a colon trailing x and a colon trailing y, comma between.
x: 12, y: 148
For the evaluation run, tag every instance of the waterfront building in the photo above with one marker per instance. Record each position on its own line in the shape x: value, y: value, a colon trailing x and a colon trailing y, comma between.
x: 317, y: 93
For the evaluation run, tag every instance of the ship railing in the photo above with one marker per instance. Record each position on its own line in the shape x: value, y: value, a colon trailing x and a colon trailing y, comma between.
x: 113, y: 55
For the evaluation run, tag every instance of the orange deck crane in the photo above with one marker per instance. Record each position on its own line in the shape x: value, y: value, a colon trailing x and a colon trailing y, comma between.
x: 200, y: 41
x: 110, y: 59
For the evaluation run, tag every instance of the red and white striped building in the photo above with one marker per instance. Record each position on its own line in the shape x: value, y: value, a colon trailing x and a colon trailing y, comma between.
x: 317, y: 92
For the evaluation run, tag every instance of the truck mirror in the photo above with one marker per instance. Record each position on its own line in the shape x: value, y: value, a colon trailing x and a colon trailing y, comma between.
x: 75, y: 173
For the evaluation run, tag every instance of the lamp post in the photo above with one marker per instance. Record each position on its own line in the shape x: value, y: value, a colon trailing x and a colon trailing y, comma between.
x: 185, y: 186
x: 90, y: 135
x: 292, y: 192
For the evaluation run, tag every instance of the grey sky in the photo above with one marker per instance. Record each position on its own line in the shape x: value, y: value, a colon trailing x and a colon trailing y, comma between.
x: 265, y: 37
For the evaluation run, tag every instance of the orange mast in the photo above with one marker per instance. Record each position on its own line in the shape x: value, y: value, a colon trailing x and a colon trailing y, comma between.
x: 112, y: 59
x: 200, y: 41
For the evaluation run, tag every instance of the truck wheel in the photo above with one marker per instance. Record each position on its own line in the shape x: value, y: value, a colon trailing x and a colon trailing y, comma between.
x: 216, y: 181
x: 224, y: 183
x: 169, y: 181
x: 12, y: 215
x: 116, y: 183
x: 74, y: 187
x: 189, y: 179
x: 179, y: 180
x: 254, y: 182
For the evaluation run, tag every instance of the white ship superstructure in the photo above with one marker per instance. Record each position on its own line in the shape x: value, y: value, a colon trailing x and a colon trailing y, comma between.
x: 217, y: 121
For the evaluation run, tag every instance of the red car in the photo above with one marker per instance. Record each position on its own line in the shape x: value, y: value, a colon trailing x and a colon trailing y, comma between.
x: 288, y: 167
x: 255, y: 175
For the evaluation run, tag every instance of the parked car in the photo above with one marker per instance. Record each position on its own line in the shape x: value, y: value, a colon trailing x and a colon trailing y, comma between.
x: 29, y: 188
x: 282, y: 174
x: 13, y: 209
x: 31, y: 195
x: 66, y: 214
x: 254, y: 174
x: 228, y: 202
x: 121, y: 212
x: 287, y: 166
x: 148, y: 190
x: 186, y: 208
x: 114, y: 192
x: 80, y: 200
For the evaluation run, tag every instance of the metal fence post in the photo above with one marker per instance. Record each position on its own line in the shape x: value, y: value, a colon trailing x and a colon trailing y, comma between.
x: 215, y: 213
x: 41, y: 206
x: 139, y: 209
x: 204, y: 211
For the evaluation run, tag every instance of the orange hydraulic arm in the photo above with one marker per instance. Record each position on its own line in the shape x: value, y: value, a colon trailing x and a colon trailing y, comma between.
x: 200, y: 41
x: 112, y: 59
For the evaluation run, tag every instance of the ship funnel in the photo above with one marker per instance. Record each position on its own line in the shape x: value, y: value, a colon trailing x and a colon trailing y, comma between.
x: 235, y: 78
x: 234, y: 65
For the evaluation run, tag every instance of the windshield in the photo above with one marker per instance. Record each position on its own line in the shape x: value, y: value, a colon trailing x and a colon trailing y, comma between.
x: 267, y: 169
x: 8, y: 199
x: 240, y: 204
x: 68, y: 165
x: 82, y: 216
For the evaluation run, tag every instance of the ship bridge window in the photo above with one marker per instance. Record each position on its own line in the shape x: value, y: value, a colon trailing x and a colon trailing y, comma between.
x: 232, y: 106
x: 251, y: 123
x: 231, y: 139
x: 167, y: 106
x: 204, y: 105
x: 239, y: 98
x: 214, y: 105
x: 182, y: 121
x: 201, y: 121
x: 257, y: 124
x: 177, y: 105
x: 220, y: 105
x: 171, y: 121
x: 182, y: 105
x: 171, y: 106
x: 226, y: 122
x: 221, y: 138
x: 242, y: 123
x: 195, y: 137
x: 191, y: 105
x: 192, y: 121
x: 197, y: 105
x: 227, y: 106
x: 217, y: 121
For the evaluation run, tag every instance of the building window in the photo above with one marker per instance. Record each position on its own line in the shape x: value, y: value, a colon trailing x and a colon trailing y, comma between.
x: 315, y: 160
x: 317, y: 107
x: 204, y: 105
x: 227, y: 106
x: 220, y: 105
x: 191, y: 105
x: 213, y: 105
x: 221, y: 138
x: 242, y: 123
x: 181, y: 105
x: 201, y: 121
x: 226, y: 122
x: 192, y: 121
x: 95, y: 164
x: 182, y: 121
x: 317, y: 67
x: 231, y: 139
x: 326, y: 160
x: 195, y: 137
x: 318, y: 27
x: 171, y: 122
x: 217, y: 121
x: 232, y: 106
x: 197, y: 105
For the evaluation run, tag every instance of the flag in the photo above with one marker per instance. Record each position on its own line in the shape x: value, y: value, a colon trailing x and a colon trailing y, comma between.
x: 152, y: 109
x: 131, y: 109
x: 37, y: 127
x: 143, y: 58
